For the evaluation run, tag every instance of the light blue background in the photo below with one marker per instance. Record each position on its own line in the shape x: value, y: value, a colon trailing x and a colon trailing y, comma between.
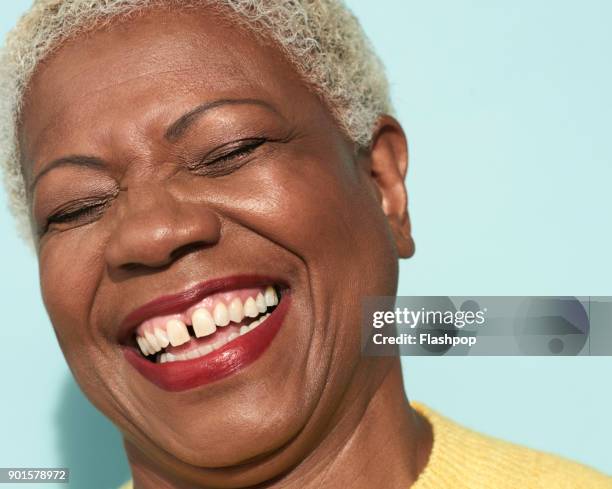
x: 507, y: 106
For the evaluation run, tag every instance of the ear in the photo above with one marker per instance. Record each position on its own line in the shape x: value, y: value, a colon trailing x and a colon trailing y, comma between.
x: 388, y: 167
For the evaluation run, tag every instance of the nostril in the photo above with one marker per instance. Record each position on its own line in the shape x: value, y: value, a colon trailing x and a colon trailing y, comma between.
x: 146, y: 241
x: 174, y: 255
x: 186, y: 249
x: 131, y: 266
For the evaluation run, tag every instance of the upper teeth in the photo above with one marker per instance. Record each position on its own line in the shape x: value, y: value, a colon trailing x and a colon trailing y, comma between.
x: 220, y: 314
x: 203, y: 322
x: 174, y: 332
x: 250, y: 308
x: 270, y: 297
x: 177, y: 333
x: 206, y: 349
x: 236, y: 311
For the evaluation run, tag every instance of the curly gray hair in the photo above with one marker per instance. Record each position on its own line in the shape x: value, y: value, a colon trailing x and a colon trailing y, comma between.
x: 321, y: 38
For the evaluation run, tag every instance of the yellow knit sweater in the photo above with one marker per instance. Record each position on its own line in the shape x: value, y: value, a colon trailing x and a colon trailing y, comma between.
x: 463, y: 459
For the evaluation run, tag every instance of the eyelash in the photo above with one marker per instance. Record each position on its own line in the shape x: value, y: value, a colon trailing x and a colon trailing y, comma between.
x: 215, y: 167
x: 86, y: 212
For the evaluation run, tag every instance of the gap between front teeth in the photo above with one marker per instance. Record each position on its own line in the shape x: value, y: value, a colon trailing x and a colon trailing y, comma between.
x: 206, y: 349
x: 205, y: 322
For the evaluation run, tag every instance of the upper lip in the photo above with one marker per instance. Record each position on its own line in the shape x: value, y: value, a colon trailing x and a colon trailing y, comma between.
x: 170, y: 304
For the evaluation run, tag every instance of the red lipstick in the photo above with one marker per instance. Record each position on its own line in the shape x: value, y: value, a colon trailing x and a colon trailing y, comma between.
x: 220, y: 363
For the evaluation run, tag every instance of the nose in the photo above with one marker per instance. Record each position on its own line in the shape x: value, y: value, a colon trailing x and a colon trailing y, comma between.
x: 155, y: 229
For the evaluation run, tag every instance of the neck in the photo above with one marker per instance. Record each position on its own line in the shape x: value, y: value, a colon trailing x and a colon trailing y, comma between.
x: 376, y: 440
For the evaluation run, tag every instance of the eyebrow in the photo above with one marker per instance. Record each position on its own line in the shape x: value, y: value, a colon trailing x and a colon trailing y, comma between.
x: 175, y: 131
x: 180, y: 127
x: 72, y: 160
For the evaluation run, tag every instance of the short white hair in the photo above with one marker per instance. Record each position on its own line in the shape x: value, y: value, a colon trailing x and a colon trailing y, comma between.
x: 322, y: 39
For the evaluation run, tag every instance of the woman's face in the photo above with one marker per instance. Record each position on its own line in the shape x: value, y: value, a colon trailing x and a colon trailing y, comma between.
x: 189, y: 158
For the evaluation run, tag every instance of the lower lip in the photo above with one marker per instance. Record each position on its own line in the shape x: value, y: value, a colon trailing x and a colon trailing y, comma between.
x: 227, y: 360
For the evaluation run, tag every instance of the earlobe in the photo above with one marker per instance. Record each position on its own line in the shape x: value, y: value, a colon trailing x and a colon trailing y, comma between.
x: 389, y: 165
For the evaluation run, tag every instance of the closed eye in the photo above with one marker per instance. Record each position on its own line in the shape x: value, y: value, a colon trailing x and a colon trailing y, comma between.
x: 228, y: 158
x: 75, y: 214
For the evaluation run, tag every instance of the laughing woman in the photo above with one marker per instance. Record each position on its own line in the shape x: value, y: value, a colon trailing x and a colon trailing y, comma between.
x: 211, y: 188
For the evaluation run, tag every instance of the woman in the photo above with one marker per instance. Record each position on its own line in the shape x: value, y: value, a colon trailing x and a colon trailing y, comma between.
x: 212, y: 187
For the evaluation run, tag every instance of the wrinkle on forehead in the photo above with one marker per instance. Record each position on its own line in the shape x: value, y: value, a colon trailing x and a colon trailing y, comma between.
x: 50, y: 138
x: 172, y: 61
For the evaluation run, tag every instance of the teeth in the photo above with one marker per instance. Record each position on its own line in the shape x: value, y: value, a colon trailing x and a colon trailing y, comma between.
x: 254, y: 324
x: 236, y: 312
x: 193, y: 354
x: 205, y: 349
x: 260, y: 302
x: 250, y: 308
x: 270, y: 296
x: 150, y: 337
x: 177, y: 332
x: 143, y: 345
x: 203, y: 323
x: 162, y: 338
x: 221, y: 314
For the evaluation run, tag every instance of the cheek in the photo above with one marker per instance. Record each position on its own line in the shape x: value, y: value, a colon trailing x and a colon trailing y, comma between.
x: 312, y: 200
x: 70, y: 269
x: 324, y: 213
x: 321, y: 210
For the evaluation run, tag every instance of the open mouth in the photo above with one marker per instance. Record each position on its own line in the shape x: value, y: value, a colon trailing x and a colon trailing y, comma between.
x: 206, y: 326
x: 205, y: 333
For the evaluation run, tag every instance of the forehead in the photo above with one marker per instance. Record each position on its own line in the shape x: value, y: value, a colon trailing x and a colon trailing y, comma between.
x: 146, y: 72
